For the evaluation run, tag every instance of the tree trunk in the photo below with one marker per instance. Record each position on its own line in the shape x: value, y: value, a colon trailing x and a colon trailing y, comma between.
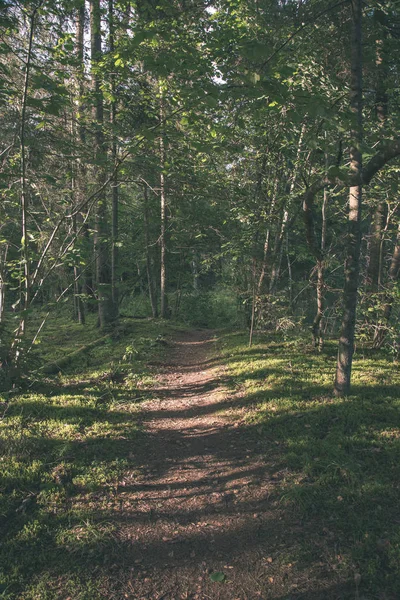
x: 346, y: 341
x: 394, y: 270
x: 103, y: 282
x: 149, y: 262
x: 163, y: 214
x: 25, y: 252
x: 114, y: 182
x: 318, y: 326
x: 374, y: 272
x: 79, y: 178
x: 253, y: 304
x: 266, y: 248
x: 285, y: 219
x: 3, y: 262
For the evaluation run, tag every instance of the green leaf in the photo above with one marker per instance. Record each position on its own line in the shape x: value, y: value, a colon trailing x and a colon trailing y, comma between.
x: 211, y: 101
x: 218, y: 577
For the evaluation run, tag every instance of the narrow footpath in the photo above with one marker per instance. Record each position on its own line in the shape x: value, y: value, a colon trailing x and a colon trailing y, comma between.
x: 203, y: 507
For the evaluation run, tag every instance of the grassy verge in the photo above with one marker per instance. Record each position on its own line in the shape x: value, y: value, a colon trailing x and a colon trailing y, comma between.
x: 335, y: 462
x: 65, y: 445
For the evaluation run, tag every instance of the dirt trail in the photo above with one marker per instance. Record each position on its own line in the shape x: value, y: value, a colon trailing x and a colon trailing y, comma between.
x: 202, y: 502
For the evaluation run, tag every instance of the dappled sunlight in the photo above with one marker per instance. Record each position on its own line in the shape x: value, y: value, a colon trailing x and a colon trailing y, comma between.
x: 251, y: 468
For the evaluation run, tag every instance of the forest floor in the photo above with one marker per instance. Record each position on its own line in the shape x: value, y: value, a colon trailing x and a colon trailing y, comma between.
x: 203, y: 525
x: 172, y: 464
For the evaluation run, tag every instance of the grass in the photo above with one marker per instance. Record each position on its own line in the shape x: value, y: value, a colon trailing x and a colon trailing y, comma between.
x: 65, y: 444
x: 68, y: 442
x: 336, y: 461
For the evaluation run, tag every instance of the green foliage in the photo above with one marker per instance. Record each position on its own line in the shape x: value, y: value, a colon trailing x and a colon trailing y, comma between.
x: 66, y: 445
x: 217, y: 577
x: 216, y: 308
x: 334, y: 462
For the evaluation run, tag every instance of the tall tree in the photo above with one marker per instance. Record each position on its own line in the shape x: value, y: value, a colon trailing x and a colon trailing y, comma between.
x: 352, y: 265
x: 114, y: 182
x: 101, y: 246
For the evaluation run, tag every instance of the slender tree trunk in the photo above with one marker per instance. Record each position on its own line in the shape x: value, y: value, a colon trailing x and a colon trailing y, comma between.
x: 79, y: 135
x: 318, y: 326
x: 25, y: 250
x: 253, y: 304
x: 381, y: 217
x: 374, y: 272
x: 285, y: 219
x: 149, y: 262
x: 346, y: 341
x: 114, y: 183
x: 3, y: 263
x: 102, y: 230
x: 86, y: 284
x: 163, y: 214
x: 394, y: 270
x: 266, y: 248
x: 290, y: 278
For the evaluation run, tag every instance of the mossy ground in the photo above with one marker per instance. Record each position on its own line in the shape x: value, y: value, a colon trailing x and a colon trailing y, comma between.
x: 67, y: 442
x: 337, y: 460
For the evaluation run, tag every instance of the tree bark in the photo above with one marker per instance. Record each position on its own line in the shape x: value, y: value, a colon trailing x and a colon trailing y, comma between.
x: 149, y: 262
x: 25, y: 284
x: 114, y: 182
x: 394, y: 270
x: 79, y: 186
x: 101, y: 226
x: 352, y: 264
x: 285, y: 219
x: 163, y: 215
x: 266, y: 248
x: 3, y: 262
x: 374, y: 272
x: 318, y: 326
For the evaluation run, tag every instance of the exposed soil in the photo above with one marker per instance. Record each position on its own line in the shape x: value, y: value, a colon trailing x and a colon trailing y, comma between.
x: 204, y: 501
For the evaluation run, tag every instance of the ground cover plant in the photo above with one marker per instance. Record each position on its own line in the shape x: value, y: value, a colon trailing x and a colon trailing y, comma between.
x: 65, y: 442
x: 218, y: 164
x: 70, y: 443
x: 336, y: 460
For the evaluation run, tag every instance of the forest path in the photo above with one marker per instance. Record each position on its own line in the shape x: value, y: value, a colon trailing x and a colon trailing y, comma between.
x: 201, y: 502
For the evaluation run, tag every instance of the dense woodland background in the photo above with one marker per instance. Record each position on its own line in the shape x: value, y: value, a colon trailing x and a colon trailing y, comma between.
x: 199, y: 225
x: 205, y: 161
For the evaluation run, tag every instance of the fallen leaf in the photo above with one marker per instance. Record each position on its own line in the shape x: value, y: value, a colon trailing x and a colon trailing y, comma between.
x: 218, y: 577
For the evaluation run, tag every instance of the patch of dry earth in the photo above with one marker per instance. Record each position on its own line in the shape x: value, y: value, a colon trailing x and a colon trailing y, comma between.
x: 205, y: 500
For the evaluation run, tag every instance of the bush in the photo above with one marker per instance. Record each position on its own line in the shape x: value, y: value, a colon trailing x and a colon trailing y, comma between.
x: 217, y: 308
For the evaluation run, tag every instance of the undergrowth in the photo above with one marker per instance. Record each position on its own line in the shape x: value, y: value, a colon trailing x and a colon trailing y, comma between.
x: 69, y: 442
x: 335, y: 461
x: 65, y: 443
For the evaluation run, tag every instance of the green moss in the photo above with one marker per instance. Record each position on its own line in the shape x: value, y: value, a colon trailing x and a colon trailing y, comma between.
x: 65, y: 447
x: 339, y: 459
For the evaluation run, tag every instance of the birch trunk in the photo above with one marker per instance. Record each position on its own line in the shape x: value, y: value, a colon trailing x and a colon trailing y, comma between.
x: 149, y: 262
x: 163, y: 215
